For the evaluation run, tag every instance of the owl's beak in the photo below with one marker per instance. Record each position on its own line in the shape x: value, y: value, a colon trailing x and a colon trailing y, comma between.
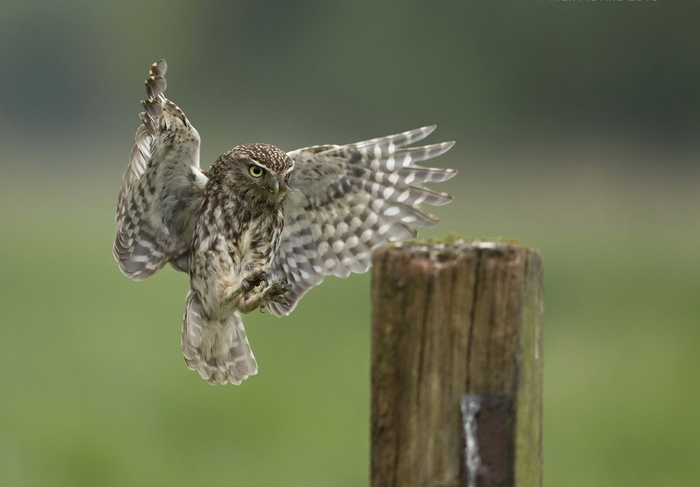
x: 274, y: 186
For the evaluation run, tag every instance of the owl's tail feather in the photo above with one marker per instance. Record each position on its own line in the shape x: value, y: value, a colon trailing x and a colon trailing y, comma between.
x: 217, y: 349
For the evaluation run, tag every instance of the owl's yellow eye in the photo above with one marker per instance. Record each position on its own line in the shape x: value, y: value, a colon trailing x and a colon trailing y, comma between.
x: 256, y: 171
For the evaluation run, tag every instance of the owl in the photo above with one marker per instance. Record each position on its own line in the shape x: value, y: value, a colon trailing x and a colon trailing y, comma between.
x: 262, y: 226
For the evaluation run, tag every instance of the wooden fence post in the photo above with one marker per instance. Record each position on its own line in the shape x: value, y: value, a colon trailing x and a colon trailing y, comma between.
x: 449, y: 320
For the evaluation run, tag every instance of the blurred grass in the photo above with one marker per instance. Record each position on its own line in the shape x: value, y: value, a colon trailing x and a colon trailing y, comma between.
x: 95, y: 391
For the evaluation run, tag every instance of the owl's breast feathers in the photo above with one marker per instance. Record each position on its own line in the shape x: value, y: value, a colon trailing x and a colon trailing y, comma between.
x: 232, y: 240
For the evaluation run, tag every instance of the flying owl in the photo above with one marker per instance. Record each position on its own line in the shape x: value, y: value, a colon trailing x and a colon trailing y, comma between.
x: 262, y: 226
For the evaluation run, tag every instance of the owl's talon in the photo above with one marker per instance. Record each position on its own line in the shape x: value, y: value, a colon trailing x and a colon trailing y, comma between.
x: 254, y: 280
x: 279, y: 288
x: 275, y: 294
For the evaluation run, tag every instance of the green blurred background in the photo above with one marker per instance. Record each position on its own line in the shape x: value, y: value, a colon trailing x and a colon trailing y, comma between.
x: 577, y: 130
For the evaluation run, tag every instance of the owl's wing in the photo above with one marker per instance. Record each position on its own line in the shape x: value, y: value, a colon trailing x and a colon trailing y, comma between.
x: 162, y: 187
x: 347, y: 200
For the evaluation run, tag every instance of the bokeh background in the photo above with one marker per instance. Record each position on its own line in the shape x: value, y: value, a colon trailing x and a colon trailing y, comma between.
x: 577, y: 128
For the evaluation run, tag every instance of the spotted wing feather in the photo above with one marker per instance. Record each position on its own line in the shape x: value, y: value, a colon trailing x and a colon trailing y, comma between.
x: 162, y: 187
x: 347, y: 200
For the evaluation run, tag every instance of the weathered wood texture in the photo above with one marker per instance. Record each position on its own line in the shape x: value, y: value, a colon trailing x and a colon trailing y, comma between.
x: 449, y: 320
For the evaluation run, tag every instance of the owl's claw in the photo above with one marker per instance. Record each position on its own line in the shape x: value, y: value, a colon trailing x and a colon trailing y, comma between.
x: 275, y: 293
x: 248, y: 301
x: 254, y: 280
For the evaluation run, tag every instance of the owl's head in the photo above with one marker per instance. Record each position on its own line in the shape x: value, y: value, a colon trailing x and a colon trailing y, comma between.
x: 261, y: 169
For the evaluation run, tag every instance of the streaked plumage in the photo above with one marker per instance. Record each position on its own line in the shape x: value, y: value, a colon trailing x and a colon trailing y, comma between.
x: 261, y: 227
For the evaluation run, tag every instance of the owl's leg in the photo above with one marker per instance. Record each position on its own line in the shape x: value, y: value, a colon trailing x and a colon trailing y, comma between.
x: 272, y: 293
